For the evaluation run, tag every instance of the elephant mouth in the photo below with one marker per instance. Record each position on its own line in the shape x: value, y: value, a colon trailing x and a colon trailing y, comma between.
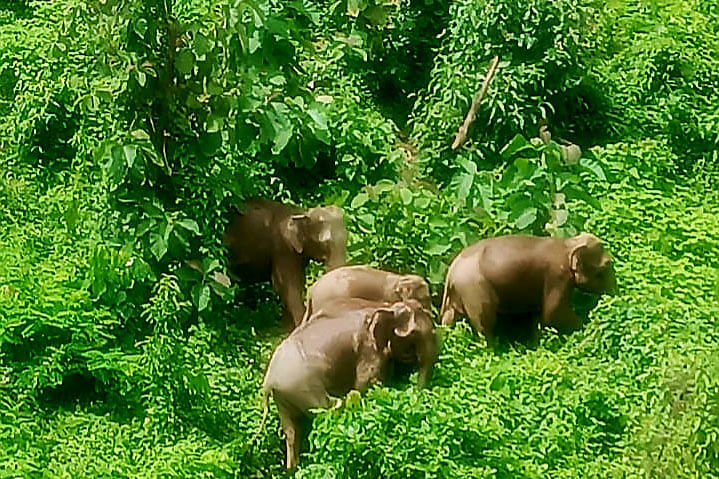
x: 404, y: 356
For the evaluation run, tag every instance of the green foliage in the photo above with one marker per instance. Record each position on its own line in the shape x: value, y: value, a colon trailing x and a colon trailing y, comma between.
x: 656, y: 67
x: 630, y: 395
x: 409, y: 227
x: 541, y: 75
x: 532, y: 193
x: 129, y: 130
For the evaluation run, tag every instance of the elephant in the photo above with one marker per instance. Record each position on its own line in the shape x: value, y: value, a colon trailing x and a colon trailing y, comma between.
x: 271, y: 240
x: 519, y: 274
x: 347, y: 346
x: 365, y: 282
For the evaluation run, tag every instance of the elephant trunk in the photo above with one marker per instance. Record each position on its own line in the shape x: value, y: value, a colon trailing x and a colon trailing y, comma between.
x: 427, y: 356
x: 336, y: 259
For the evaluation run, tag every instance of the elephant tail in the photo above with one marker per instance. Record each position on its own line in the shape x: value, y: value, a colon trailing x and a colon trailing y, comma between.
x: 445, y: 299
x: 266, y: 391
x: 308, y: 311
x: 446, y: 311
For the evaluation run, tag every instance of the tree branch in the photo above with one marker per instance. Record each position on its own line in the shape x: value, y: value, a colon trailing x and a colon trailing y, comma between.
x: 461, y: 135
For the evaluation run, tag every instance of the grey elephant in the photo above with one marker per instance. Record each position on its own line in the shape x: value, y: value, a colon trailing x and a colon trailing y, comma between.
x: 347, y: 346
x: 525, y: 274
x: 270, y: 240
x: 365, y: 282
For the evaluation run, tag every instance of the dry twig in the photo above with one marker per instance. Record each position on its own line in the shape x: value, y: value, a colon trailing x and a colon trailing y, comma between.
x: 461, y: 135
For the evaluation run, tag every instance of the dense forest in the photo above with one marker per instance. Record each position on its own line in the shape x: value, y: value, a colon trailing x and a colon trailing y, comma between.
x: 131, y: 130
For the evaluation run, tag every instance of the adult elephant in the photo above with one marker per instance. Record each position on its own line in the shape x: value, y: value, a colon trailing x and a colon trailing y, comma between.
x: 518, y: 275
x: 271, y: 240
x: 360, y: 281
x: 346, y: 346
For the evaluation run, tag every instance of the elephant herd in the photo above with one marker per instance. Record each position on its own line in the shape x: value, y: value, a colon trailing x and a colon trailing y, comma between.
x: 360, y: 320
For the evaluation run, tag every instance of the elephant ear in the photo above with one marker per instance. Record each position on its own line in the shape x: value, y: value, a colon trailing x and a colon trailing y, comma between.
x: 580, y: 255
x: 293, y: 231
x: 381, y: 323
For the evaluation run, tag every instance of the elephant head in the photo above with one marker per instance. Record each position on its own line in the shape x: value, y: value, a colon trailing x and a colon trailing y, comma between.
x: 590, y: 265
x: 405, y: 332
x: 412, y: 286
x: 319, y: 233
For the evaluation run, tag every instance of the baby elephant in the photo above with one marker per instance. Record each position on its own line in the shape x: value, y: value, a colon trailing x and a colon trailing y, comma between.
x: 367, y: 283
x: 275, y: 241
x: 347, y: 348
x: 525, y: 274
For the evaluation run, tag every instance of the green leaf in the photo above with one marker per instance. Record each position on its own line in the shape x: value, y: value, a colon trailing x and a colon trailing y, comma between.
x: 72, y: 214
x: 406, y: 195
x: 525, y: 168
x: 158, y: 246
x: 516, y: 144
x: 189, y: 225
x: 383, y: 186
x: 140, y: 135
x: 423, y: 202
x: 318, y: 117
x: 204, y: 298
x: 282, y: 138
x: 592, y: 166
x: 141, y: 27
x: 255, y: 42
x: 438, y: 249
x: 354, y: 7
x: 528, y: 217
x: 465, y: 184
x: 575, y: 192
x: 201, y: 44
x: 130, y: 154
x: 201, y: 385
x: 366, y: 219
x: 469, y: 165
x: 210, y: 143
x: 214, y: 124
x: 185, y: 61
x: 359, y: 200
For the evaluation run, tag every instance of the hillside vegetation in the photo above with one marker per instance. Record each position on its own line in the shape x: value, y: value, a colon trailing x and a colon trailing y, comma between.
x: 130, y: 130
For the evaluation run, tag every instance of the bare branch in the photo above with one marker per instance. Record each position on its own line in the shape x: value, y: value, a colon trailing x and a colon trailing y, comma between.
x: 461, y: 135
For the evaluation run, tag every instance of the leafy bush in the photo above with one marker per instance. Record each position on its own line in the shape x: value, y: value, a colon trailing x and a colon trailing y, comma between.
x: 656, y: 67
x: 616, y: 399
x: 540, y: 75
x: 130, y: 130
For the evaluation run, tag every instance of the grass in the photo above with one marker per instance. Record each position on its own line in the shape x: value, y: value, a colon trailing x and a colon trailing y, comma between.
x: 634, y: 394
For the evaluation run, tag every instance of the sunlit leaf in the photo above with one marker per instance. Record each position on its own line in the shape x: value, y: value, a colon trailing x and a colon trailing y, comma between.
x: 185, y: 61
x: 528, y: 217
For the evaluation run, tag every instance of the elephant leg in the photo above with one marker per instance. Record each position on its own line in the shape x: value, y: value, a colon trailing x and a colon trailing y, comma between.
x: 288, y: 281
x: 557, y: 310
x: 292, y: 427
x: 534, y: 338
x: 369, y: 372
x: 480, y: 306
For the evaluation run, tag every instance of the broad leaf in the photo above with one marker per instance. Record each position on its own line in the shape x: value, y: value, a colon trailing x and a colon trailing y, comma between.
x: 516, y: 144
x: 359, y: 200
x: 282, y: 138
x: 190, y: 225
x: 185, y: 61
x: 158, y: 246
x: 528, y: 217
x: 130, y: 154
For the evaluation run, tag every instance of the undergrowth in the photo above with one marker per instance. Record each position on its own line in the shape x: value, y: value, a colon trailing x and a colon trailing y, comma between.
x: 130, y: 130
